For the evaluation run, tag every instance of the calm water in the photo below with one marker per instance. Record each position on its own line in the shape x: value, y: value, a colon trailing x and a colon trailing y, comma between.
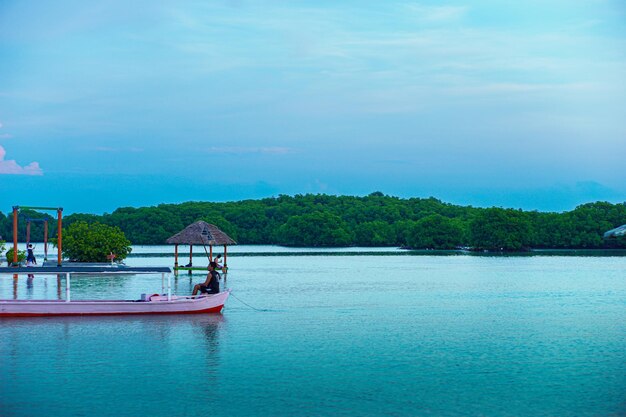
x: 335, y: 335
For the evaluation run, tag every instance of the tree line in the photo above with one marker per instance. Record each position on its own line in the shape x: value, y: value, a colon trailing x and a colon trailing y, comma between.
x: 375, y: 220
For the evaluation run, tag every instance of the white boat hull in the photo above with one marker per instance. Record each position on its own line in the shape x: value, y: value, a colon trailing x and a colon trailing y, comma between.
x: 157, y: 305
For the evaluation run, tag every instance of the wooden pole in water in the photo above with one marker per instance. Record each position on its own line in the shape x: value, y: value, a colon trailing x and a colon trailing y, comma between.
x: 225, y: 259
x: 176, y: 255
x: 45, y: 240
x: 15, y: 209
x: 190, y: 258
x: 59, y: 235
x: 210, y: 253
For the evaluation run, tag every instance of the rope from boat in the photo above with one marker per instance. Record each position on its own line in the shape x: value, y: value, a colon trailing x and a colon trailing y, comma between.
x: 243, y: 302
x: 207, y: 253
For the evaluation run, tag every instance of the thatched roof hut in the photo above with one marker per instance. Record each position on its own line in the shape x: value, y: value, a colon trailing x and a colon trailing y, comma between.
x: 201, y: 233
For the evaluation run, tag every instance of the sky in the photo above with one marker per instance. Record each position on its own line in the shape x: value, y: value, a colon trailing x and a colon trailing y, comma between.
x: 485, y: 103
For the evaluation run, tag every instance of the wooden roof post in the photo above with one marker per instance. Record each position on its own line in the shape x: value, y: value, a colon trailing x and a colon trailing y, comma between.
x: 176, y: 255
x: 225, y: 268
x: 190, y: 256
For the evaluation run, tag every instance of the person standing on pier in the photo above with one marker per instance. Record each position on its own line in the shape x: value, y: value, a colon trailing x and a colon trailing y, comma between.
x: 218, y: 261
x: 30, y: 257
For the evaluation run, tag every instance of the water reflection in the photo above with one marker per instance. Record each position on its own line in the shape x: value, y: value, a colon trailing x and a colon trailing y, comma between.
x: 164, y: 328
x: 58, y: 286
x: 29, y: 285
x: 210, y: 326
x: 99, y: 281
x: 156, y: 339
x: 162, y: 352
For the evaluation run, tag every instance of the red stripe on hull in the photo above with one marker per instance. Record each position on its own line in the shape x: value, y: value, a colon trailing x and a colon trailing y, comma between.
x: 208, y: 310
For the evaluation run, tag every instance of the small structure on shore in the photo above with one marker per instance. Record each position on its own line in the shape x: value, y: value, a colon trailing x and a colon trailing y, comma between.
x: 200, y: 233
x: 615, y: 233
x: 16, y: 215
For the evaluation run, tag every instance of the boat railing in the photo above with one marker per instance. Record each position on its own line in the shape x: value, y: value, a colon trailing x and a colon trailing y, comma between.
x: 68, y: 271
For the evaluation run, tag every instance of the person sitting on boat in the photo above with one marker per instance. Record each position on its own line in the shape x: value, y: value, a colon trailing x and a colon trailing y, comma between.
x: 212, y: 283
x: 30, y: 257
x: 218, y: 261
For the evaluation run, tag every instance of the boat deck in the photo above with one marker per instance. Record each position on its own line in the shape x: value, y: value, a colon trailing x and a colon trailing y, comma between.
x: 74, y: 269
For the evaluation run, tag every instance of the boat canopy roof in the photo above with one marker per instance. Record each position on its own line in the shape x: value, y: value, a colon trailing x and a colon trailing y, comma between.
x: 74, y: 269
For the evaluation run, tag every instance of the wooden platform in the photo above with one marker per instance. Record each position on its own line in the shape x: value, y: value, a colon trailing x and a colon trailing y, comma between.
x: 193, y: 269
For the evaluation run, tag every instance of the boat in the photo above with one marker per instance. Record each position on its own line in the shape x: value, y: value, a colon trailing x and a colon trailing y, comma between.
x: 159, y: 304
x: 164, y: 303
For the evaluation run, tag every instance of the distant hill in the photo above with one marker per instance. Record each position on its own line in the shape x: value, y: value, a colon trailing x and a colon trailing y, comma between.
x: 373, y: 220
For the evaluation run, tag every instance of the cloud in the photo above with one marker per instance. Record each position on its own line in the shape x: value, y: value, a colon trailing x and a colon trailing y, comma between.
x: 4, y: 135
x: 11, y: 167
x: 505, y: 88
x: 238, y: 150
x: 110, y: 149
x: 437, y: 14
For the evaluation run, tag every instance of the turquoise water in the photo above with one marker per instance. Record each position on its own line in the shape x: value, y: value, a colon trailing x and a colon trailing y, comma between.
x: 335, y: 335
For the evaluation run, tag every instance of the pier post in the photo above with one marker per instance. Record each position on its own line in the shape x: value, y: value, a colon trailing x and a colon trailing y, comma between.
x: 15, y: 209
